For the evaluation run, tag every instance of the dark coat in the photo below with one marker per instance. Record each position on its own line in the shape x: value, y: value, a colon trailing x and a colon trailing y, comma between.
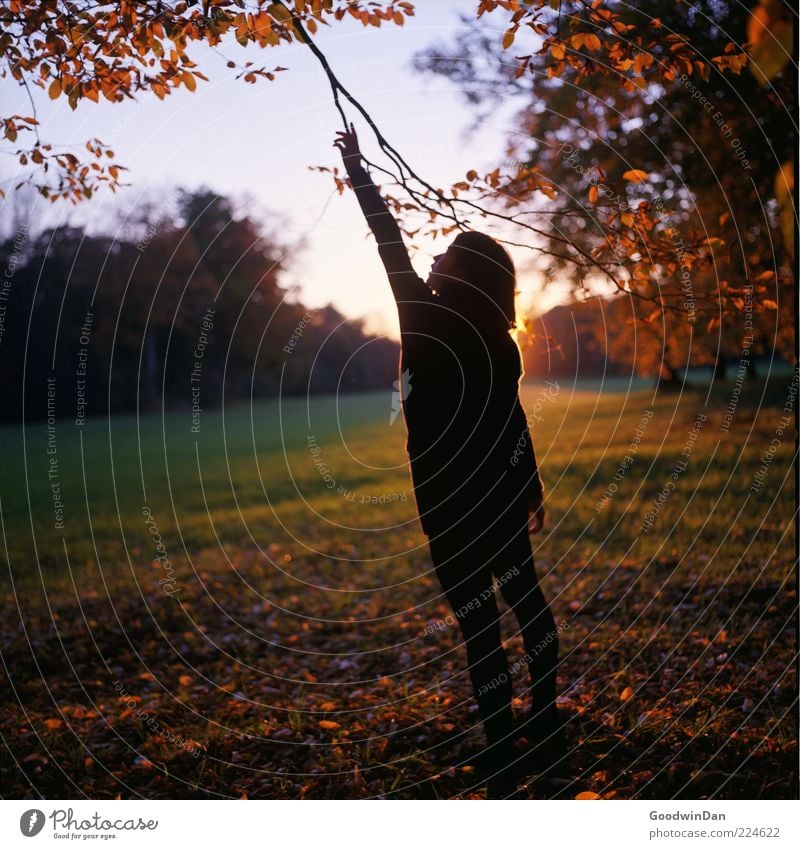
x: 469, y: 445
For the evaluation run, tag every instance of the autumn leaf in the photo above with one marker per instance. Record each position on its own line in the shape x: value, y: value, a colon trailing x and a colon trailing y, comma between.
x: 591, y: 42
x: 635, y: 176
x: 769, y: 34
x: 784, y: 186
x: 279, y: 12
x: 734, y: 64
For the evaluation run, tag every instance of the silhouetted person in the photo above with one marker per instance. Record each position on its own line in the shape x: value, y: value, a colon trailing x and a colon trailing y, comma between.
x: 473, y: 466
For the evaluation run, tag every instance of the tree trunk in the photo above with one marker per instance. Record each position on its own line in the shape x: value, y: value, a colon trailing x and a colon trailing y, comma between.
x: 150, y: 393
x: 668, y: 378
x: 720, y: 367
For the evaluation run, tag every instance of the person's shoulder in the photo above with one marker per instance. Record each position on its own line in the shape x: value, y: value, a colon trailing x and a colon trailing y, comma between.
x: 512, y: 357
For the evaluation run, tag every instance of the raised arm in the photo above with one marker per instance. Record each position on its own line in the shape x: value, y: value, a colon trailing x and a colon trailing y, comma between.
x: 406, y: 284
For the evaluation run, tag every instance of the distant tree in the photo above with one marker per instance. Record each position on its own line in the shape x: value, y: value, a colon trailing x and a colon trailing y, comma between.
x: 566, y: 343
x: 661, y: 133
x: 135, y: 316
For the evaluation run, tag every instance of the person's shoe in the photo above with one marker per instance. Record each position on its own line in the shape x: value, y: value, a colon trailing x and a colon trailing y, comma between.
x: 537, y: 726
x: 544, y: 734
x: 501, y: 763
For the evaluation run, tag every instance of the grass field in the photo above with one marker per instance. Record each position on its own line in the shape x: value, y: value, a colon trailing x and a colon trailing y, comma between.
x: 286, y: 644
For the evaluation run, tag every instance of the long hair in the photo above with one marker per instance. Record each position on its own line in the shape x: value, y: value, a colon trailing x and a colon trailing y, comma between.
x: 488, y: 267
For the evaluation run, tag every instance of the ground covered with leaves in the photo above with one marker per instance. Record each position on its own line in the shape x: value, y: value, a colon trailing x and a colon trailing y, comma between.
x: 216, y: 620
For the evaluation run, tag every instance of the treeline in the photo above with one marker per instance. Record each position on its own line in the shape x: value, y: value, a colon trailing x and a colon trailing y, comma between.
x: 184, y: 310
x: 565, y: 343
x: 600, y: 337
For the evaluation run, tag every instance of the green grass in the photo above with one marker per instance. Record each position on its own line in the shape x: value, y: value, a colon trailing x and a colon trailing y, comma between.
x: 248, y: 480
x: 281, y: 579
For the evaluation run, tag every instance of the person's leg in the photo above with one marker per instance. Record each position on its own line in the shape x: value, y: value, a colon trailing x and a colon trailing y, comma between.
x: 516, y: 576
x: 465, y: 577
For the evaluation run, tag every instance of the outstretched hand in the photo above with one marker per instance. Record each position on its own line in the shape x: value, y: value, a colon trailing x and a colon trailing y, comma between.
x: 347, y: 142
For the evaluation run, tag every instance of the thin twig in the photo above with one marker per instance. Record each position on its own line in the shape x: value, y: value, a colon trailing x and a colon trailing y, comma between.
x: 406, y: 173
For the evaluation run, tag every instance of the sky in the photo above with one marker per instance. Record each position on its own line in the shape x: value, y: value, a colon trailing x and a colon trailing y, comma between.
x: 255, y: 142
